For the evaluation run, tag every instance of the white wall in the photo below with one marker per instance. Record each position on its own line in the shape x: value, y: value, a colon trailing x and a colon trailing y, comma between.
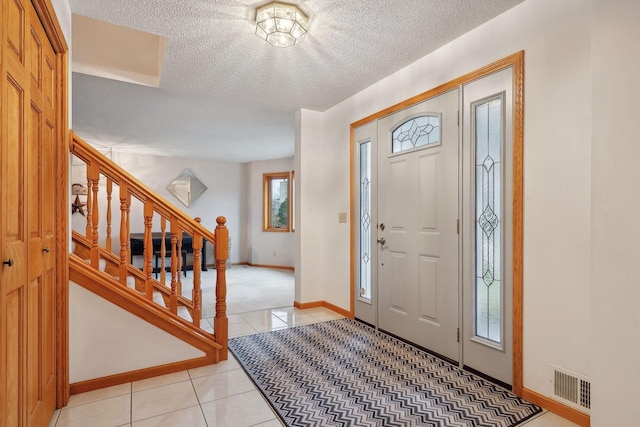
x: 556, y: 37
x: 226, y: 195
x: 311, y: 212
x: 615, y: 208
x: 267, y: 247
x: 106, y: 340
x: 63, y: 13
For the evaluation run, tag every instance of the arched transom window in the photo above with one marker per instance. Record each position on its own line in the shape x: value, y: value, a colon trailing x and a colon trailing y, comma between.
x: 416, y: 132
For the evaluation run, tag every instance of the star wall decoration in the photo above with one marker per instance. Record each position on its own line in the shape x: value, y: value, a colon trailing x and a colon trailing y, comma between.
x: 77, y: 206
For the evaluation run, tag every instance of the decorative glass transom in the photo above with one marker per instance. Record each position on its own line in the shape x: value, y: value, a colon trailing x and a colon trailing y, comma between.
x: 488, y: 233
x: 416, y: 132
x: 365, y: 220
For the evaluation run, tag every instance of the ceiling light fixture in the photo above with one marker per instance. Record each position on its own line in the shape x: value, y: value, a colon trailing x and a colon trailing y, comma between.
x: 281, y: 24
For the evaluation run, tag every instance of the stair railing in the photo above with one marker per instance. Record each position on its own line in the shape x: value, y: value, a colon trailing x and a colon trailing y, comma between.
x: 159, y: 218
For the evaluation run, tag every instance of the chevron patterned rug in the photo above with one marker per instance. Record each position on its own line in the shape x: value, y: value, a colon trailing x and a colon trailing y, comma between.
x: 344, y: 373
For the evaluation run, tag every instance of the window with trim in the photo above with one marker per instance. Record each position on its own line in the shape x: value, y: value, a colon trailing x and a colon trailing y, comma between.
x: 276, y: 195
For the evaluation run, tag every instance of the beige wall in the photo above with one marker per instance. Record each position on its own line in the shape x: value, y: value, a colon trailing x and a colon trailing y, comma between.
x: 615, y: 208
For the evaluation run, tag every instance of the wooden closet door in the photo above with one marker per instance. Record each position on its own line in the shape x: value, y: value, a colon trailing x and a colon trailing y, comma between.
x: 41, y: 303
x: 27, y: 249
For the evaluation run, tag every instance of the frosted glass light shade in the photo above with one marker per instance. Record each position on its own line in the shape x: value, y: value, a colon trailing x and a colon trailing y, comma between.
x: 281, y: 24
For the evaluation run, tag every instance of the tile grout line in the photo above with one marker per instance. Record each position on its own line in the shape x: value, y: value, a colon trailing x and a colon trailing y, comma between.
x: 131, y: 404
x: 206, y: 423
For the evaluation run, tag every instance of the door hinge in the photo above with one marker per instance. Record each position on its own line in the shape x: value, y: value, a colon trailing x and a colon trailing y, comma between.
x: 457, y: 226
x: 458, y: 117
x: 458, y: 335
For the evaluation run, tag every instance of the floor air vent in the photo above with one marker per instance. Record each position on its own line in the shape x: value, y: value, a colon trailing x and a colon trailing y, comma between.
x: 572, y: 387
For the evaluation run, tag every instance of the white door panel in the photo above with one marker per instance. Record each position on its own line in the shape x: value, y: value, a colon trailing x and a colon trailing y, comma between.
x: 418, y: 203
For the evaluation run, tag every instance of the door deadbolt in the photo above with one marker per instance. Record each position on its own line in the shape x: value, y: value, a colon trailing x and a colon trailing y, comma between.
x: 381, y: 226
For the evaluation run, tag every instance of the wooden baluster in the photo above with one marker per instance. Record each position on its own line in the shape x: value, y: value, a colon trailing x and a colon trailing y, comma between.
x: 221, y: 322
x: 108, y: 238
x: 89, y: 228
x: 128, y: 225
x: 179, y: 264
x: 148, y: 247
x: 94, y: 176
x: 196, y: 293
x: 124, y: 232
x: 163, y: 251
x: 173, y: 300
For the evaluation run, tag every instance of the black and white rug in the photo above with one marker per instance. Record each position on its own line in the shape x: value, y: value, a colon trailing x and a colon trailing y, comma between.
x: 344, y: 373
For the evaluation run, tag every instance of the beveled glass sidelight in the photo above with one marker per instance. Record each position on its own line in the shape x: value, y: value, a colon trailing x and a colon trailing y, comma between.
x: 488, y: 230
x: 186, y: 187
x: 365, y: 220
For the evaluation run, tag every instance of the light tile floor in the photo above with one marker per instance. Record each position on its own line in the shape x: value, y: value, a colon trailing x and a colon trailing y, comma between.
x: 216, y: 395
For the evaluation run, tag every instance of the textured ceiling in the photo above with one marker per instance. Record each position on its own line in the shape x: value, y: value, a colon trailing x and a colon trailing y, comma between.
x: 226, y: 94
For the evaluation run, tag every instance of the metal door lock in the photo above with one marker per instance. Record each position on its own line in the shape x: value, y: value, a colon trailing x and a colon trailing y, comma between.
x: 382, y: 241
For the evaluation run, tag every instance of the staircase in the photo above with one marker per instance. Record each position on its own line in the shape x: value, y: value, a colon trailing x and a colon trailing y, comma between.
x: 102, y: 262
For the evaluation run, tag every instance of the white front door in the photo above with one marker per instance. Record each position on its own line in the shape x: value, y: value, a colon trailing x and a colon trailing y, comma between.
x: 418, y: 199
x: 434, y: 233
x: 487, y: 338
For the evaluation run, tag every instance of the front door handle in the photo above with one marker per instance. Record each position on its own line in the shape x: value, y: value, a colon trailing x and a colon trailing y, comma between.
x: 382, y: 241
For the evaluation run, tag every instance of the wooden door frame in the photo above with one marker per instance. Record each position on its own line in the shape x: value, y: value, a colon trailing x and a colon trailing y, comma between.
x: 51, y: 25
x: 517, y: 62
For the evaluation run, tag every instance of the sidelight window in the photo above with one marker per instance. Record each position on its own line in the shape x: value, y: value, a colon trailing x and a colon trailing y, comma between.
x: 365, y: 220
x: 488, y: 132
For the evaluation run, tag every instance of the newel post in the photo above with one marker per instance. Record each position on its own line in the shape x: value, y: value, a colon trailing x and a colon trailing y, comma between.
x: 220, y: 322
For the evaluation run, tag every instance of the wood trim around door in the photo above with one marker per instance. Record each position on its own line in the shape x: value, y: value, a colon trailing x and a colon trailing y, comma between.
x: 517, y: 62
x: 51, y: 24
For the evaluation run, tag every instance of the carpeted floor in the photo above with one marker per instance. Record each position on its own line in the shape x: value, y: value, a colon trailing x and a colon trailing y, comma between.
x: 248, y: 289
x: 344, y: 373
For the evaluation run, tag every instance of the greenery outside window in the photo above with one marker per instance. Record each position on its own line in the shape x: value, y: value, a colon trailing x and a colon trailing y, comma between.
x: 276, y: 196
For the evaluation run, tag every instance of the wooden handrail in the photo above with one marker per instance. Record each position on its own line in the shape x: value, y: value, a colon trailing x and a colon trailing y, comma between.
x: 89, y: 154
x: 97, y: 248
